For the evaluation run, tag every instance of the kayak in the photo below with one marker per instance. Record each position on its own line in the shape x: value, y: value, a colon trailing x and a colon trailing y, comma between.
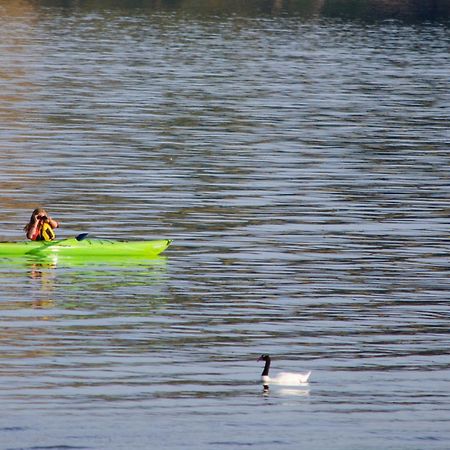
x: 85, y: 248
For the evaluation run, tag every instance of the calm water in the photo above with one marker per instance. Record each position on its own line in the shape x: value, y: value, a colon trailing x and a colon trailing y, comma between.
x: 301, y: 167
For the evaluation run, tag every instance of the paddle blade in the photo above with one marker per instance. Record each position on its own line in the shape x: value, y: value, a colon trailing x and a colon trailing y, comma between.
x: 81, y: 236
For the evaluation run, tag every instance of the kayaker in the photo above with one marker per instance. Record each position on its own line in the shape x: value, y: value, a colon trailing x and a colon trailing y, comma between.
x: 41, y: 226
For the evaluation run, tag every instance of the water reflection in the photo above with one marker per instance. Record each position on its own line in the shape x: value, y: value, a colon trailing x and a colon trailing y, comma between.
x: 42, y: 278
x: 46, y: 276
x: 286, y: 392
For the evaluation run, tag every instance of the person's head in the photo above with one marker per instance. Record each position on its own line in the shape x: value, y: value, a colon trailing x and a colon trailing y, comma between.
x: 38, y: 214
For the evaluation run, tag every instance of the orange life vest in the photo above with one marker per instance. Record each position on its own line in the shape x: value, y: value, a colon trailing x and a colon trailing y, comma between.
x: 43, y: 232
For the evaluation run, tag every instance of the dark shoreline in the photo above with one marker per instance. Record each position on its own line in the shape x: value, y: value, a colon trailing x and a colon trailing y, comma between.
x: 411, y: 10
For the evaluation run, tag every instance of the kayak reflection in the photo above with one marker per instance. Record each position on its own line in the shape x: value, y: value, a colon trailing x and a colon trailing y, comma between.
x: 51, y: 275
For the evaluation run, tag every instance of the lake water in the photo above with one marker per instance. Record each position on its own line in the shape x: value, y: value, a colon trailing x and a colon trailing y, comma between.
x: 300, y: 164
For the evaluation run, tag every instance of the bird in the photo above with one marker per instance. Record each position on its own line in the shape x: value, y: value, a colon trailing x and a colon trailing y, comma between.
x: 283, y: 378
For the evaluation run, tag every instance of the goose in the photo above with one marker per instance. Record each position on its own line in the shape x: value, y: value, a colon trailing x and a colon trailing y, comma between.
x: 283, y: 378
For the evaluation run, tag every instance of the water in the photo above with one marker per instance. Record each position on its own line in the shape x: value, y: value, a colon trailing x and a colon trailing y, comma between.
x: 301, y: 167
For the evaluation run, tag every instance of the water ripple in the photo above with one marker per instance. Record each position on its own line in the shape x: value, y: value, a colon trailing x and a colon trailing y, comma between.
x: 301, y: 168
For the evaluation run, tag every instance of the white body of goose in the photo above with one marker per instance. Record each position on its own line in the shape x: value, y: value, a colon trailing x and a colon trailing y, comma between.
x: 283, y: 378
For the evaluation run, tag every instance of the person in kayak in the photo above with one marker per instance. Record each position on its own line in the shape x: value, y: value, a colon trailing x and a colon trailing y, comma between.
x: 41, y: 226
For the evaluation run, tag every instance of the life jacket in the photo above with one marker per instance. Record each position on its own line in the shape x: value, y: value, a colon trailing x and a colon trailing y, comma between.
x: 47, y: 233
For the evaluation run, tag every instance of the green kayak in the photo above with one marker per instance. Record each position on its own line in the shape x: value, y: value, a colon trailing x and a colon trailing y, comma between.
x: 85, y: 248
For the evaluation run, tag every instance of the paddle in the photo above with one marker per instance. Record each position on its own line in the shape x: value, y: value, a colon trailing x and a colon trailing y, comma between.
x: 81, y: 236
